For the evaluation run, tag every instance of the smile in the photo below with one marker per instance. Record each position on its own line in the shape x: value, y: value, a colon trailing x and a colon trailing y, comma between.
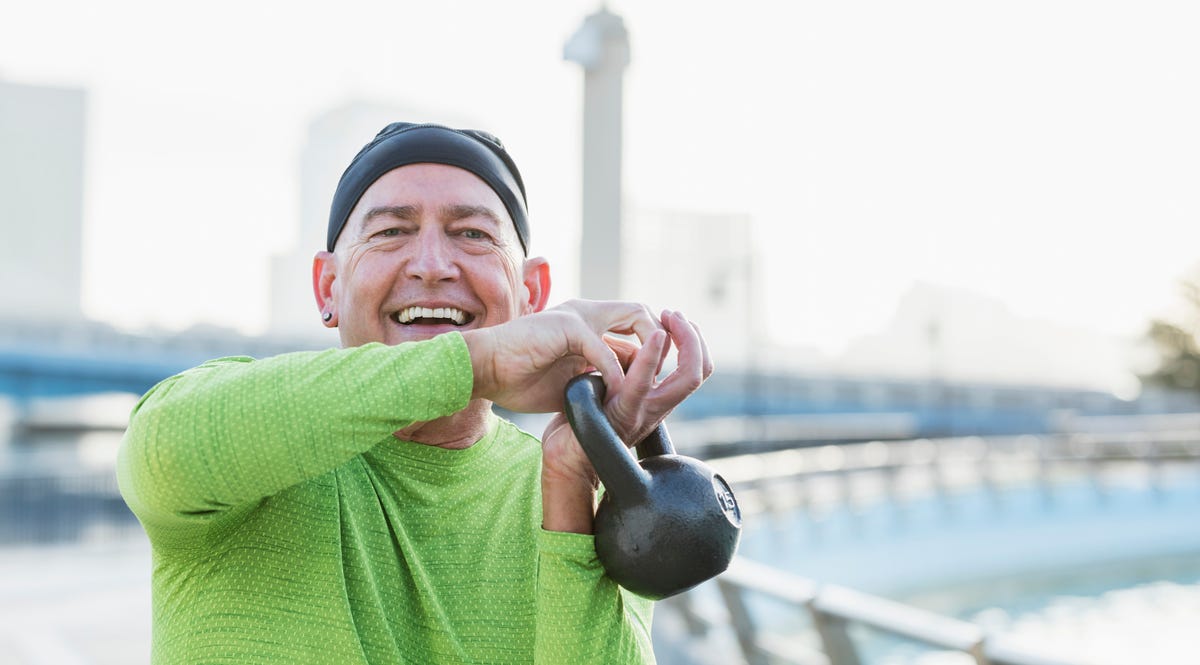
x: 436, y: 315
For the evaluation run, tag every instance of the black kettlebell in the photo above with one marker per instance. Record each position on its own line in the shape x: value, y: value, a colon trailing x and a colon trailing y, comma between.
x: 663, y: 525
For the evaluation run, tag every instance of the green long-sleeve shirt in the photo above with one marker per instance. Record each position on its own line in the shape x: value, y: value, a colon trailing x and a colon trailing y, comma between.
x: 289, y: 525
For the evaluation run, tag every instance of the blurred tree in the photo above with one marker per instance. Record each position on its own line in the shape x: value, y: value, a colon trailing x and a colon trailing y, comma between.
x: 1177, y: 343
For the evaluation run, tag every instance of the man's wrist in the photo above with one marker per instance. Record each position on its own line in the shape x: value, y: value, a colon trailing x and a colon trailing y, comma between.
x: 568, y: 504
x: 479, y: 348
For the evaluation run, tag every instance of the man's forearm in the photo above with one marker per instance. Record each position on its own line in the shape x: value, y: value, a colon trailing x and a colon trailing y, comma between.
x: 567, y: 505
x: 582, y: 615
x: 232, y: 432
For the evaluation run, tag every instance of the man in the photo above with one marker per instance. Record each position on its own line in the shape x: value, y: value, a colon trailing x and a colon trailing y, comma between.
x: 364, y: 504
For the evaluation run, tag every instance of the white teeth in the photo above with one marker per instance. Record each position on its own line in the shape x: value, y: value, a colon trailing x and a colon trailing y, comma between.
x: 410, y: 314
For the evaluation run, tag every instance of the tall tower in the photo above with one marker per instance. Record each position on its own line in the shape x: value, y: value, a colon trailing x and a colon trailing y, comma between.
x: 601, y: 47
x: 41, y: 201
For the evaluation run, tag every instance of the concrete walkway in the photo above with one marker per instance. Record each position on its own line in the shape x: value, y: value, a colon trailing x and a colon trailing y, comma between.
x: 90, y: 605
x: 75, y: 604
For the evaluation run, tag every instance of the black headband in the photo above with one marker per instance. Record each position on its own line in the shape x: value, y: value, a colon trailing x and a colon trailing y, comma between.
x: 403, y: 143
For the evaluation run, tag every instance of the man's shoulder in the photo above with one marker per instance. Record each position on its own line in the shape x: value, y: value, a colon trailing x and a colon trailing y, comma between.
x: 516, y: 443
x: 224, y: 360
x: 515, y: 429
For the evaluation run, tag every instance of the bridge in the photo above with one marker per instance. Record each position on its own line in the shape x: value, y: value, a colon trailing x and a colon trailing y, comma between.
x: 53, y: 360
x: 47, y: 360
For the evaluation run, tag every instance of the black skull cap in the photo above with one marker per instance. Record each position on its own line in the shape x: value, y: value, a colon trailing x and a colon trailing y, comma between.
x: 403, y: 143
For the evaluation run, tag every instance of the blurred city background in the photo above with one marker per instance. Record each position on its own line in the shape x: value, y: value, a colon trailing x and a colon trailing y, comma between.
x: 947, y: 258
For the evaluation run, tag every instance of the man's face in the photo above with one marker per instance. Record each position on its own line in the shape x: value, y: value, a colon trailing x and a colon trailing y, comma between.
x: 428, y: 249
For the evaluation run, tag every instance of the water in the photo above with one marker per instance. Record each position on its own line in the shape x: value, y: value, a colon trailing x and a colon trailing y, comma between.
x: 1153, y: 622
x: 1104, y: 573
x: 1101, y: 573
x: 74, y: 563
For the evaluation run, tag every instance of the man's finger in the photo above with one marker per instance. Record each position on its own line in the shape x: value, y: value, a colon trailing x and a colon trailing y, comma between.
x: 594, y: 350
x: 707, y: 363
x: 689, y: 370
x: 625, y: 349
x: 632, y: 407
x: 666, y: 351
x: 622, y: 318
x: 639, y: 377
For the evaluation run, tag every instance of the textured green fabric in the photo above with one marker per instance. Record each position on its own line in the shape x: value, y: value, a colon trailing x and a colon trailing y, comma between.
x: 289, y: 526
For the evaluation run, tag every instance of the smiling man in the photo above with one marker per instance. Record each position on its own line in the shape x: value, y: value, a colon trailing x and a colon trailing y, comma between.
x: 365, y: 504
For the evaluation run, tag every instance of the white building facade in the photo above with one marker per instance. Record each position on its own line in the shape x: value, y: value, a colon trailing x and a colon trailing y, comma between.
x: 42, y: 132
x: 704, y: 265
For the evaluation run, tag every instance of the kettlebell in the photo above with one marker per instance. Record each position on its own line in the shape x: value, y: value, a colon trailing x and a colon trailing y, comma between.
x: 664, y: 524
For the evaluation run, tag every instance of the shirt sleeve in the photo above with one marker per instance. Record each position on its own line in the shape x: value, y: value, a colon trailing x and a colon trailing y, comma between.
x: 233, y: 431
x: 582, y: 615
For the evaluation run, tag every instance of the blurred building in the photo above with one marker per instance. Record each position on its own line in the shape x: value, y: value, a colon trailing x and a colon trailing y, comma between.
x: 945, y: 333
x: 334, y: 138
x: 41, y: 200
x: 704, y: 265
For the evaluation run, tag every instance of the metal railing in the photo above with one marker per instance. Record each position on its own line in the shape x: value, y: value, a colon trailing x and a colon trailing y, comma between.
x: 57, y: 481
x: 768, y: 484
x: 833, y: 609
x: 43, y: 508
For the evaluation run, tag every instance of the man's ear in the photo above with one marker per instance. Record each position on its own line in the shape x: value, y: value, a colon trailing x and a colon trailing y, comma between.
x: 537, y: 284
x: 324, y: 272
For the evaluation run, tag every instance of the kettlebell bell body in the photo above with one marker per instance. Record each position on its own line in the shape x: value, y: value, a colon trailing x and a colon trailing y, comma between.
x: 664, y: 524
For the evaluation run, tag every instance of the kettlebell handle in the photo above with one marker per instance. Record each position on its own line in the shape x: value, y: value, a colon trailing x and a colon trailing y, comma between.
x: 656, y: 443
x: 615, y: 465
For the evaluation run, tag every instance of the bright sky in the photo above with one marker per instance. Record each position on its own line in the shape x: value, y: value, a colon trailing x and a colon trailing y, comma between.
x: 1045, y: 153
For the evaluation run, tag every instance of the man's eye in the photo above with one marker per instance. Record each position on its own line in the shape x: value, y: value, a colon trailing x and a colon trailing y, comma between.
x: 389, y: 233
x: 474, y: 234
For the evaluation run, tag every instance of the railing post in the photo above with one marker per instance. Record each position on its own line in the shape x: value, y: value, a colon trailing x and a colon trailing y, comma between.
x: 743, y: 625
x: 1154, y: 465
x: 696, y: 627
x: 1045, y: 472
x: 978, y: 651
x: 834, y: 638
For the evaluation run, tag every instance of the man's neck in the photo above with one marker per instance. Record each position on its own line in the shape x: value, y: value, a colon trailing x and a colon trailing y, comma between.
x: 457, y: 431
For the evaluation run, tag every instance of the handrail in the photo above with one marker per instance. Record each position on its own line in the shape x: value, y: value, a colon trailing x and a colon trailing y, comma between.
x: 903, y: 620
x: 943, y: 464
x: 757, y: 468
x: 833, y: 608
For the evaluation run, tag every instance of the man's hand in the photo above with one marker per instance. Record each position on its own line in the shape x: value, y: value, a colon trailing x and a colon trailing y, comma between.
x: 524, y: 365
x: 635, y: 408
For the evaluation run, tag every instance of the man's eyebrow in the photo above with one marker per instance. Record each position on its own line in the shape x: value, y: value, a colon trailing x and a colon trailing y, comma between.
x: 399, y: 212
x: 464, y: 211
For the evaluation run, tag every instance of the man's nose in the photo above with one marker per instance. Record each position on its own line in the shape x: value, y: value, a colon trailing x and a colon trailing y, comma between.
x: 433, y: 257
